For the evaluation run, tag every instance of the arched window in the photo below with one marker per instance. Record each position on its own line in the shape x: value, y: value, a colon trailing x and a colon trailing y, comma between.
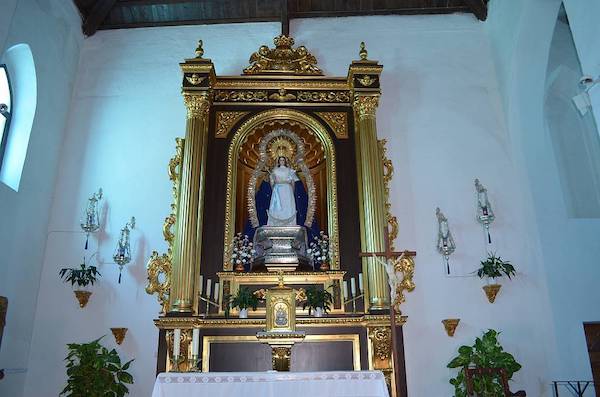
x: 20, y: 68
x: 5, y: 108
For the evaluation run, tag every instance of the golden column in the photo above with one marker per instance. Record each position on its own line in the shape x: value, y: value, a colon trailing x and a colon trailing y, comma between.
x: 363, y: 77
x: 198, y: 77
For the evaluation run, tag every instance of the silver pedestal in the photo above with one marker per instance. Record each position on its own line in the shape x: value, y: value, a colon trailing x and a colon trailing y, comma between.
x: 281, y: 248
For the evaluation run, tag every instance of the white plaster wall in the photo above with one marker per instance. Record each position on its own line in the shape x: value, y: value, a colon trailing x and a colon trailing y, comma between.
x: 126, y: 113
x: 442, y: 114
x: 567, y: 248
x: 52, y: 30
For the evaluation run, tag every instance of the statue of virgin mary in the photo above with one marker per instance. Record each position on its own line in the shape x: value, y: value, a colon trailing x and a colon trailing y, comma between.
x: 282, y: 206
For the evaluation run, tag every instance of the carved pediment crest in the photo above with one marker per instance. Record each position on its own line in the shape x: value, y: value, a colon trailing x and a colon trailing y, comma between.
x: 283, y: 59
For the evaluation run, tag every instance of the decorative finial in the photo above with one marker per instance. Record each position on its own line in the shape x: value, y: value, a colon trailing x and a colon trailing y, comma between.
x: 363, y: 51
x: 199, y: 50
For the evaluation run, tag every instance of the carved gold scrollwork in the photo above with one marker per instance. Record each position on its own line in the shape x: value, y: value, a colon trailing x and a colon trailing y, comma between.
x: 197, y: 104
x: 367, y: 80
x: 225, y: 121
x: 283, y: 59
x: 366, y: 106
x: 388, y: 173
x: 323, y: 96
x: 381, y: 351
x: 338, y: 121
x: 405, y: 265
x: 159, y: 266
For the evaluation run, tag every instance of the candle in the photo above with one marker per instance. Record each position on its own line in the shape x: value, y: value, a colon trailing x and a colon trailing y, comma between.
x: 208, y: 287
x: 195, y: 341
x: 345, y: 290
x: 201, y: 285
x: 216, y: 291
x: 176, y: 341
x: 353, y: 286
x: 360, y: 283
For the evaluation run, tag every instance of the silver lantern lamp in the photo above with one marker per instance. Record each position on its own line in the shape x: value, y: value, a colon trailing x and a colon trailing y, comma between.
x: 485, y: 214
x: 122, y: 255
x: 91, y: 220
x: 445, y: 243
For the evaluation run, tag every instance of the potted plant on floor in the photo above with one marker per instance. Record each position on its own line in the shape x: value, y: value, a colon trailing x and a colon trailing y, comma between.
x: 317, y: 299
x: 492, y: 268
x: 95, y: 371
x: 243, y: 300
x: 484, y: 368
x: 82, y: 276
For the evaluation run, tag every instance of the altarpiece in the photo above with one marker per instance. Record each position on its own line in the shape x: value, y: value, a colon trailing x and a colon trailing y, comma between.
x: 279, y: 153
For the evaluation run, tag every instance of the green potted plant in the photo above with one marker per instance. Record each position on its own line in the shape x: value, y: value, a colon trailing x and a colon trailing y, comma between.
x: 491, y: 268
x: 317, y: 299
x: 485, y: 353
x: 242, y: 300
x: 95, y: 371
x: 82, y: 276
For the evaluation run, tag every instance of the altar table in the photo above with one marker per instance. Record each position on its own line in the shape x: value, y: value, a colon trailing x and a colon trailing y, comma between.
x: 271, y: 384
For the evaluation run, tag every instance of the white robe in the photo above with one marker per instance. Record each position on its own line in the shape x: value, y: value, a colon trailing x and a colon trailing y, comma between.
x: 282, y: 208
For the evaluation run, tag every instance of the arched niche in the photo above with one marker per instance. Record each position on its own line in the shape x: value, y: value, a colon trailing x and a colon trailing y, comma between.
x: 316, y: 139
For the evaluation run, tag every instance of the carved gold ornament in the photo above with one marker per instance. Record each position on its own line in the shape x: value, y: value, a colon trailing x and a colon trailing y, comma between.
x: 367, y: 80
x: 381, y: 338
x: 404, y: 265
x: 226, y: 121
x: 282, y: 96
x: 197, y: 104
x: 450, y: 325
x: 159, y: 266
x: 194, y: 79
x: 491, y: 291
x: 240, y: 96
x: 362, y: 53
x: 337, y: 121
x: 366, y: 106
x: 324, y: 96
x: 388, y: 173
x: 119, y: 334
x: 283, y: 59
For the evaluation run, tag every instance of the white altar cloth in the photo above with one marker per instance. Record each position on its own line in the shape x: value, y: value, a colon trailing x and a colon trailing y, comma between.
x: 271, y: 384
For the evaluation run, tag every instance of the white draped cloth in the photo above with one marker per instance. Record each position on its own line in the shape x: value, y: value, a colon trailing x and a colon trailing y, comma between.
x: 282, y: 208
x: 271, y: 384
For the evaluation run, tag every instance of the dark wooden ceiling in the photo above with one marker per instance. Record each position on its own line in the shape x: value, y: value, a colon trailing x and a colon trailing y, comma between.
x: 116, y: 14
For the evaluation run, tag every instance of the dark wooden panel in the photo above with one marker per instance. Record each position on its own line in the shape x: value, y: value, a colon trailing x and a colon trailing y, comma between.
x: 322, y: 356
x: 239, y: 357
x: 592, y: 334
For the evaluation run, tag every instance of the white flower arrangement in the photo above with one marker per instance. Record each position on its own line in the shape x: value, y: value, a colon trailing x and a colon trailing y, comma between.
x: 242, y: 251
x: 319, y: 249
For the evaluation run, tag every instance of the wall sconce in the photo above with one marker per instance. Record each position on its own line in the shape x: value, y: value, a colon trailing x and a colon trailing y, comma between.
x: 122, y: 254
x: 485, y: 215
x: 445, y: 244
x: 91, y: 222
x: 582, y: 100
x: 450, y: 325
x: 119, y: 334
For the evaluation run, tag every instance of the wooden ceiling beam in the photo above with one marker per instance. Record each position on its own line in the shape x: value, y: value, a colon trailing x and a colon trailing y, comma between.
x: 97, y: 16
x: 479, y: 8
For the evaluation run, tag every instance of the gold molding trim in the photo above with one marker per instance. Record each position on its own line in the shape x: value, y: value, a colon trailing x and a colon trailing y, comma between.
x: 388, y: 173
x: 240, y: 136
x: 236, y: 82
x: 368, y: 320
x: 226, y: 121
x: 207, y: 340
x: 338, y: 121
